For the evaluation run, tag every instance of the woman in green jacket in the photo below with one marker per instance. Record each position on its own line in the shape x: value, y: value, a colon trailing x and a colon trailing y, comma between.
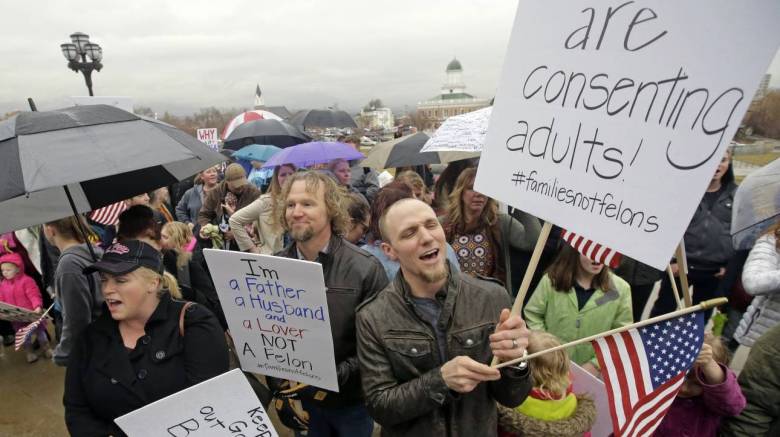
x: 576, y: 298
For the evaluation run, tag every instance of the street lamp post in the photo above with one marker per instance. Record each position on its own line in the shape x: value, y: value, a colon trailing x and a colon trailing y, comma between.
x: 82, y: 48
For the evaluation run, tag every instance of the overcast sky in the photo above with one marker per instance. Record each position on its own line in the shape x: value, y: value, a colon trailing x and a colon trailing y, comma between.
x: 183, y: 55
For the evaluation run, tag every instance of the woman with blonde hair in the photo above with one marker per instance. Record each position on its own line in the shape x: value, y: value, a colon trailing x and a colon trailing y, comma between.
x: 269, y: 237
x: 186, y: 266
x: 551, y: 408
x: 416, y: 183
x: 480, y: 234
x: 146, y: 346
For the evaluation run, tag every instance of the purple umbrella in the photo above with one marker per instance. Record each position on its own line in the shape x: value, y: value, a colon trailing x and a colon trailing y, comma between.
x: 316, y: 152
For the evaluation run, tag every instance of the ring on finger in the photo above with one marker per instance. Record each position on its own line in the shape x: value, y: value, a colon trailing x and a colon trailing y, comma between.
x: 514, y: 343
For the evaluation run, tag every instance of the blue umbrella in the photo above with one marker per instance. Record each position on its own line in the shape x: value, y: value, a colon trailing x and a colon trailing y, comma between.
x: 316, y: 152
x: 256, y: 152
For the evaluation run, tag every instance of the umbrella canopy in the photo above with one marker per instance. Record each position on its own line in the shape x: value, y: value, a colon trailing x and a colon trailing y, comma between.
x: 316, y: 152
x: 756, y: 205
x: 102, y: 154
x: 257, y: 114
x: 256, y: 152
x: 322, y: 118
x: 405, y: 151
x: 274, y: 132
x: 461, y: 133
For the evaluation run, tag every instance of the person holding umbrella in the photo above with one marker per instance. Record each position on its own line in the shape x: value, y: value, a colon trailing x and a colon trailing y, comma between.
x: 232, y: 194
x: 145, y: 347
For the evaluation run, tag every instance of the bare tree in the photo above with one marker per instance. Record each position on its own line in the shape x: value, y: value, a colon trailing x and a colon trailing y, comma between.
x: 764, y: 116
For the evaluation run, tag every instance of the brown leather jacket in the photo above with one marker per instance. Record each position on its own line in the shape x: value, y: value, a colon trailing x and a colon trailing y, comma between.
x: 351, y: 276
x: 401, y: 367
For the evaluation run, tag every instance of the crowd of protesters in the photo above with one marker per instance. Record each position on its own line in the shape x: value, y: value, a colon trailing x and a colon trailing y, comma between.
x: 420, y: 277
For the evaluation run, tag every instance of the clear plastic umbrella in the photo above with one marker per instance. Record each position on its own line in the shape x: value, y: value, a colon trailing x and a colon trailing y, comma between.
x: 756, y: 205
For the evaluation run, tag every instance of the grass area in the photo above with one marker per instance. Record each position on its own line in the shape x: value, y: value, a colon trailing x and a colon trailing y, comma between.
x: 759, y: 159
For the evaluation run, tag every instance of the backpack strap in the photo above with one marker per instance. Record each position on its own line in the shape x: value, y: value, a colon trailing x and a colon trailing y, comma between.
x: 181, y: 317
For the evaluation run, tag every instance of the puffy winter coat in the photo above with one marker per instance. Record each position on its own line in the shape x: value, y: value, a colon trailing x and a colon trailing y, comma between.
x: 512, y: 423
x: 761, y: 278
x: 22, y: 290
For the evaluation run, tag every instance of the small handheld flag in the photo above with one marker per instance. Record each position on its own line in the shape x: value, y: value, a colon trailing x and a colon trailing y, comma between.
x: 25, y: 332
x: 644, y: 368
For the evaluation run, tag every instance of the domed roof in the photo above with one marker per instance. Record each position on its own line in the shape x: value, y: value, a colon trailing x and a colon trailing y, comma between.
x: 454, y: 65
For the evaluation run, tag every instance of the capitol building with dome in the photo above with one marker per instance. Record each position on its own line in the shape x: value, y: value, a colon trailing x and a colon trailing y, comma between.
x: 453, y: 99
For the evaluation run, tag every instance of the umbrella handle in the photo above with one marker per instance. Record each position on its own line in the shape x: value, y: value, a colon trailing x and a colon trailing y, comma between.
x: 79, y: 224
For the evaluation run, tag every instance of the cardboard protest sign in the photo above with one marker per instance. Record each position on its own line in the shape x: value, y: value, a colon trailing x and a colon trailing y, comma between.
x: 585, y: 383
x: 612, y: 116
x: 209, y: 137
x: 277, y: 312
x: 224, y: 405
x: 14, y: 313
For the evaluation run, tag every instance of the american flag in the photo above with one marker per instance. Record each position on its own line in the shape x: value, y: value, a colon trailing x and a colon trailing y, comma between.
x: 644, y: 368
x: 24, y: 333
x: 591, y: 249
x: 108, y: 215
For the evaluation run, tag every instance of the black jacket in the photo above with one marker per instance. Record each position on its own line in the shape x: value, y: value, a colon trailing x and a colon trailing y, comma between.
x: 708, y: 237
x: 104, y: 380
x: 351, y: 276
x: 400, y: 360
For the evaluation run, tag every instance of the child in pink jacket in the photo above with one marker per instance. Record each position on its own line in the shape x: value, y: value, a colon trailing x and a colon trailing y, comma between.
x: 709, y: 393
x: 21, y: 290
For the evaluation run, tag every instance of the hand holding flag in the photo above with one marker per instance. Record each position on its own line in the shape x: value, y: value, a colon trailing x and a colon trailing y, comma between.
x: 24, y: 333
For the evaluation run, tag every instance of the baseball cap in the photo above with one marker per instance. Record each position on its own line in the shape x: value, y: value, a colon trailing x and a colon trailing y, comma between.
x: 236, y: 175
x: 127, y: 256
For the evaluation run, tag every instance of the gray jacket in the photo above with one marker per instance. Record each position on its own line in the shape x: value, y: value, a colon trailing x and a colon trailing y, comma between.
x: 760, y: 278
x: 400, y: 363
x: 366, y: 181
x: 79, y: 295
x: 188, y: 207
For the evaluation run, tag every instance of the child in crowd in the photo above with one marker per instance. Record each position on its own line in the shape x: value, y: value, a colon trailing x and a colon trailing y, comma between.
x: 709, y: 393
x: 551, y: 409
x: 20, y: 290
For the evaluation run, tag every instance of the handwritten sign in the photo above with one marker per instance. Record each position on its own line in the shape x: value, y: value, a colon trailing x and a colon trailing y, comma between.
x: 585, y: 383
x: 612, y: 116
x: 277, y: 312
x: 223, y: 406
x: 14, y: 313
x: 209, y: 136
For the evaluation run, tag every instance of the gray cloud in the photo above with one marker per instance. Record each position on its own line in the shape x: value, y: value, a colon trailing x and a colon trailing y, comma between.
x: 180, y: 56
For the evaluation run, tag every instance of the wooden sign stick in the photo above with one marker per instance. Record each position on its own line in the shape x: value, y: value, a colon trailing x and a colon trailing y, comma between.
x: 707, y: 304
x: 682, y: 273
x: 517, y: 307
x: 675, y: 290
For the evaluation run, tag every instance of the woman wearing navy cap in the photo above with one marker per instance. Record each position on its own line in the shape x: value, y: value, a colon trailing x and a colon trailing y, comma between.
x: 145, y: 347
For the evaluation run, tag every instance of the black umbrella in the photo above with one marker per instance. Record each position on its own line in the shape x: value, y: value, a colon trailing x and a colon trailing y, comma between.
x: 57, y: 163
x: 322, y: 118
x: 405, y: 151
x: 273, y: 132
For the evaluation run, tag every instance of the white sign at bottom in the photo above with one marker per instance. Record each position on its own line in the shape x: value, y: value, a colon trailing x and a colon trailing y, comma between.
x: 224, y: 405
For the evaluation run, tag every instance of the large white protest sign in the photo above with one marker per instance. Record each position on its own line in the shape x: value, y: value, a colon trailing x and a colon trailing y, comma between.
x: 277, y: 312
x: 612, y: 116
x: 209, y: 137
x: 223, y: 406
